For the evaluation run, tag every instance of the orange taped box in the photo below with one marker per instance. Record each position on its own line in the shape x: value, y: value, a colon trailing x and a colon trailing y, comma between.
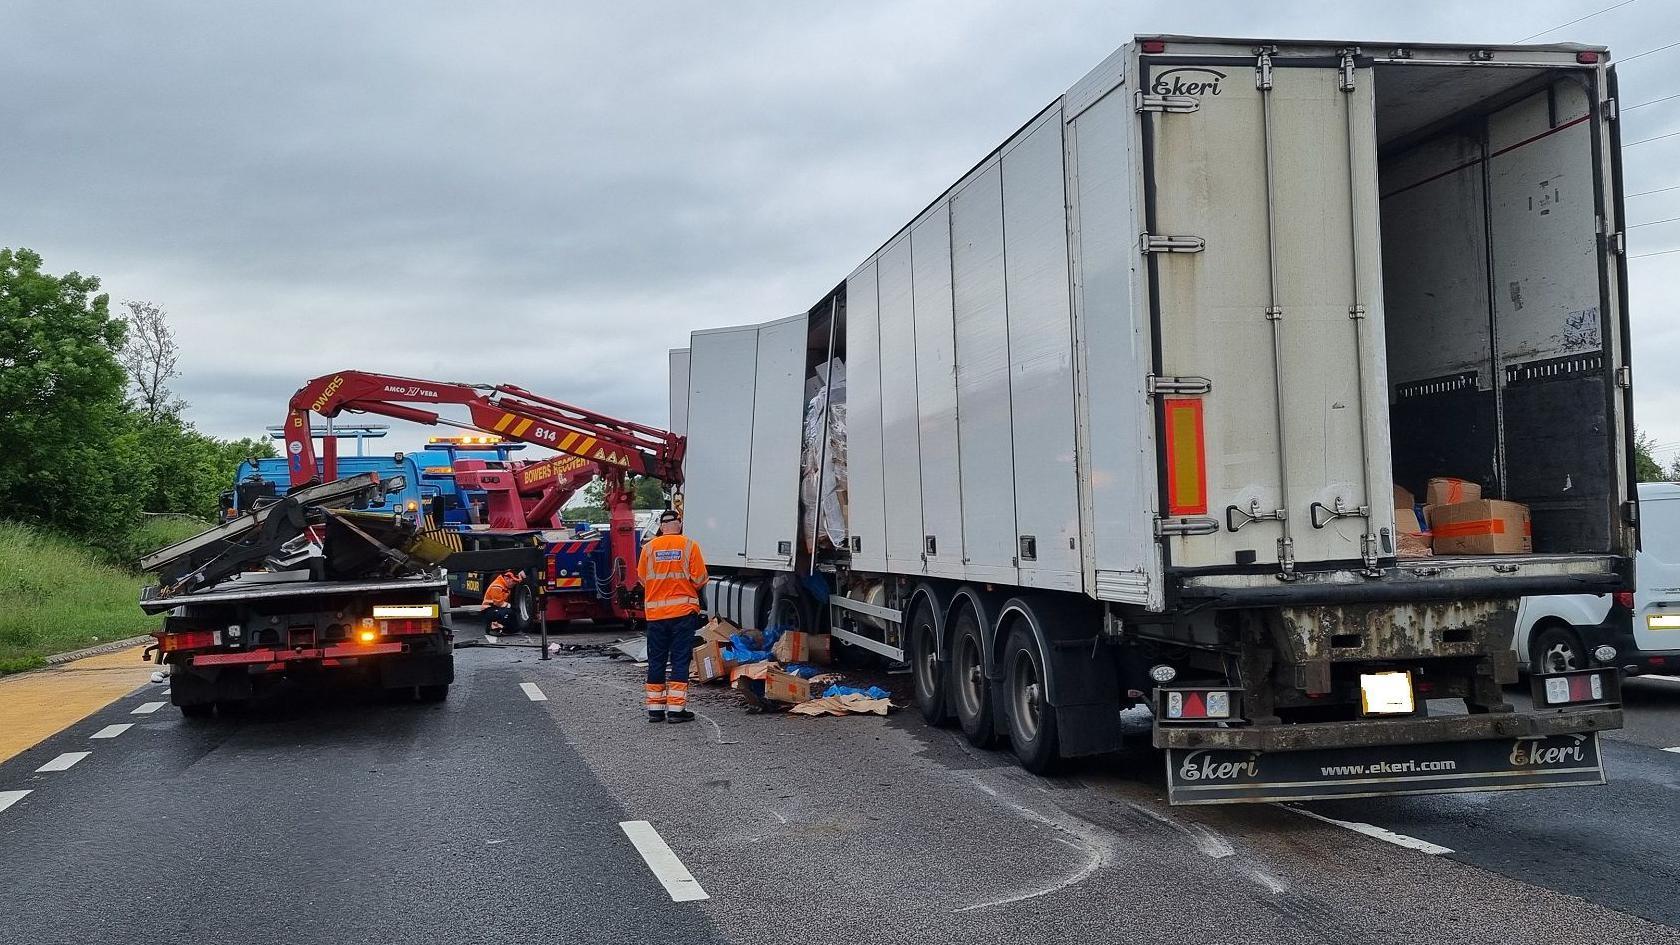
x: 796, y: 646
x: 786, y: 687
x: 1481, y: 527
x: 1445, y: 490
x: 707, y: 664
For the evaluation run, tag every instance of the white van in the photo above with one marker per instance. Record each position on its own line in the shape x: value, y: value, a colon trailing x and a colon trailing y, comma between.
x: 1566, y: 632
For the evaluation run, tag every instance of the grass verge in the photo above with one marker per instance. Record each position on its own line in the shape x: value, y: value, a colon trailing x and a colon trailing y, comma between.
x: 57, y: 596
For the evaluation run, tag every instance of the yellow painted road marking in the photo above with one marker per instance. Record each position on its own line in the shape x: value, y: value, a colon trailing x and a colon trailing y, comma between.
x: 38, y: 704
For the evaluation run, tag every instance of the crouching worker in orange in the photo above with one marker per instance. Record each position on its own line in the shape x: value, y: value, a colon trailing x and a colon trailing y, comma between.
x: 673, y: 572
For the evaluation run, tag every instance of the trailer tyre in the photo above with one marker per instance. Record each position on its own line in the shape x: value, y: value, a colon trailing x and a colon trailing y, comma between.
x: 524, y: 605
x: 926, y: 668
x: 198, y: 710
x: 1032, y: 720
x: 970, y: 692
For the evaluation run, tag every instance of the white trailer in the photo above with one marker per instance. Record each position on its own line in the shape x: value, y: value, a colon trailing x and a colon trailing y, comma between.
x: 1125, y: 407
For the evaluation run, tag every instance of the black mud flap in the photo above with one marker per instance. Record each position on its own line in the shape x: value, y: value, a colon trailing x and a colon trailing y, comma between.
x: 1222, y: 776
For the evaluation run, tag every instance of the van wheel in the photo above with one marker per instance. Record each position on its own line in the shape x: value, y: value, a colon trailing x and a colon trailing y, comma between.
x: 926, y: 669
x: 1557, y: 650
x: 970, y: 691
x: 1032, y: 720
x: 524, y: 606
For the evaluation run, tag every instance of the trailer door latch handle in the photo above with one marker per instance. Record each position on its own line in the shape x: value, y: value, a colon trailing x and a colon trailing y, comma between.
x: 1336, y: 511
x: 1251, y: 515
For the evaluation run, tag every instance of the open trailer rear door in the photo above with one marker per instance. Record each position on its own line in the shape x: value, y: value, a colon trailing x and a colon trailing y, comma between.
x: 1264, y: 259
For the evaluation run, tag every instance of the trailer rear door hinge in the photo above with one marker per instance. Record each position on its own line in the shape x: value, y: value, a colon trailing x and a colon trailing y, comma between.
x: 1164, y: 103
x: 1630, y: 513
x: 1611, y: 112
x: 1624, y: 376
x: 1263, y: 67
x: 1616, y: 243
x: 1156, y: 384
x: 1185, y: 526
x: 1344, y: 77
x: 1149, y: 243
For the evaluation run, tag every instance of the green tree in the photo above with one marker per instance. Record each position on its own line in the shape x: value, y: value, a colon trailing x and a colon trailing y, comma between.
x: 646, y: 493
x: 61, y: 401
x: 1645, y: 465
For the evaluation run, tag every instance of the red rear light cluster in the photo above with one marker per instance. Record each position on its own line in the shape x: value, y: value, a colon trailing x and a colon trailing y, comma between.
x: 187, y: 640
x: 406, y: 626
x: 1625, y: 599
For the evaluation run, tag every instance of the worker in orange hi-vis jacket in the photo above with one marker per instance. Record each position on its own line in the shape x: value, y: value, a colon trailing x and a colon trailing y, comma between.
x: 497, y: 607
x: 673, y: 571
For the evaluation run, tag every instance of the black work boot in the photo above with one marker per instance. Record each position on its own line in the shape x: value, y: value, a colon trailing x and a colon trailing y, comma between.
x: 656, y: 716
x: 680, y: 715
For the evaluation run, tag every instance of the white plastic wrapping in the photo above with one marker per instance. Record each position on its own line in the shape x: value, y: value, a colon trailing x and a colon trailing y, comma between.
x: 822, y: 485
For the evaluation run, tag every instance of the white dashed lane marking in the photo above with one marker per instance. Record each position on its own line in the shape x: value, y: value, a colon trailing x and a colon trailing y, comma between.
x: 8, y: 798
x: 532, y: 692
x: 657, y: 854
x: 147, y: 708
x: 63, y: 762
x: 112, y: 731
x: 1371, y: 830
x: 1676, y: 750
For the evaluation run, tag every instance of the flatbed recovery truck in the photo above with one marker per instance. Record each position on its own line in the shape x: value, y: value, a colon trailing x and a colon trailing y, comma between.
x: 303, y: 587
x: 1124, y: 407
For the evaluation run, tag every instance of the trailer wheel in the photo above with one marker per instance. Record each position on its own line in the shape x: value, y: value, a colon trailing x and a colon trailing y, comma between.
x: 969, y: 689
x: 198, y: 710
x: 524, y: 605
x: 926, y: 667
x: 1032, y: 720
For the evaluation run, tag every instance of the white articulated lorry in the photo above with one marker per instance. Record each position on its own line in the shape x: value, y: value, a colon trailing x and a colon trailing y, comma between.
x: 1118, y: 418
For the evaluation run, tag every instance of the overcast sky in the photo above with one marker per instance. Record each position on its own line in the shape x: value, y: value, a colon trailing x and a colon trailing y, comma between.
x: 553, y: 194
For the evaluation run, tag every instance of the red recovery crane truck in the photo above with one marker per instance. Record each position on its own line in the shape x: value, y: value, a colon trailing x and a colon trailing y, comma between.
x: 612, y: 447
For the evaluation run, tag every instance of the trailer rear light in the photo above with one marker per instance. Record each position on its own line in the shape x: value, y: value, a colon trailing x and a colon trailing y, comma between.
x: 1386, y: 694
x: 1186, y: 456
x: 1578, y: 687
x: 1197, y: 705
x: 387, y: 611
x: 368, y: 636
x: 1624, y: 599
x: 1586, y: 57
x: 189, y: 640
x: 406, y: 626
x: 1154, y: 46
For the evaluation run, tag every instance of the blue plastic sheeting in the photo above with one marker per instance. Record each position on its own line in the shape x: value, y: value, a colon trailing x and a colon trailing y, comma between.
x: 873, y: 692
x: 818, y: 588
x: 802, y: 670
x: 740, y: 650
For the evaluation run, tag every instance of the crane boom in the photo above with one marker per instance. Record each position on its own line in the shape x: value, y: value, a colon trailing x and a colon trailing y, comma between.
x: 511, y: 412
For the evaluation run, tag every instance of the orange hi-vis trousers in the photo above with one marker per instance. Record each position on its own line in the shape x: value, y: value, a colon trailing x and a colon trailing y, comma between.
x: 671, y: 696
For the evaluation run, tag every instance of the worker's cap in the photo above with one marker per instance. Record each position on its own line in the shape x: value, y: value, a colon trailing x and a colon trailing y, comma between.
x: 669, y: 515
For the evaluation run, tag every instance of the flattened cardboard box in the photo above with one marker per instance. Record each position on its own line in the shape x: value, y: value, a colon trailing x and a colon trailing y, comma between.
x: 1482, y: 527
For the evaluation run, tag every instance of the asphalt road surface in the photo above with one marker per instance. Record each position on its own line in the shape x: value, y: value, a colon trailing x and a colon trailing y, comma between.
x: 499, y: 817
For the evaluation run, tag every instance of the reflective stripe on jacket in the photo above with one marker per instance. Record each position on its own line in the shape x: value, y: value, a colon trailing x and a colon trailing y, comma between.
x: 673, y: 571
